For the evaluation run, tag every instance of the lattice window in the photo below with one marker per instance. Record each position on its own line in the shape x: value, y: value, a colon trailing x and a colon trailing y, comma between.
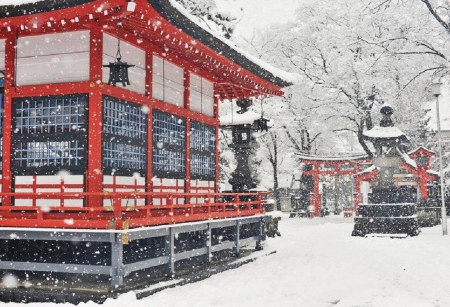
x: 49, y: 134
x: 169, y: 145
x: 124, y: 137
x: 203, y: 151
x: 48, y: 153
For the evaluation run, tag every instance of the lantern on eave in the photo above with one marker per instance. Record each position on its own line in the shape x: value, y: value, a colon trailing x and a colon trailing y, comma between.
x: 118, y: 70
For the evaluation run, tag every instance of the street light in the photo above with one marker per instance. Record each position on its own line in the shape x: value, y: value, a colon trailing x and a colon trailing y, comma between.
x: 436, y: 88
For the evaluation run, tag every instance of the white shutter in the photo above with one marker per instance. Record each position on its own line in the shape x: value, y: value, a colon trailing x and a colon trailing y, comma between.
x: 53, y: 58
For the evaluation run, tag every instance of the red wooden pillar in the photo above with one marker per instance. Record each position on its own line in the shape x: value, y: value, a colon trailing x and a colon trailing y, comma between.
x: 149, y: 93
x: 187, y: 94
x: 216, y: 116
x: 422, y: 173
x: 9, y: 79
x: 315, y: 198
x: 94, y: 174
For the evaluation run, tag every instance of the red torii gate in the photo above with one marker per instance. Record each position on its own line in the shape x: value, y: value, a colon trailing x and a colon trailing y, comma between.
x: 419, y: 166
x: 333, y: 166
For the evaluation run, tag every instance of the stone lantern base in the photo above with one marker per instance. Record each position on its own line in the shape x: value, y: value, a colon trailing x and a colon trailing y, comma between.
x: 391, y: 219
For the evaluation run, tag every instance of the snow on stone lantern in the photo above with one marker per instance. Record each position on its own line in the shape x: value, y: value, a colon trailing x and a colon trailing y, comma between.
x: 390, y: 148
x: 387, y: 213
x: 243, y: 124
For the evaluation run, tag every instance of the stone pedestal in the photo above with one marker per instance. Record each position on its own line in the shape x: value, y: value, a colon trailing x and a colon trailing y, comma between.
x: 386, y: 219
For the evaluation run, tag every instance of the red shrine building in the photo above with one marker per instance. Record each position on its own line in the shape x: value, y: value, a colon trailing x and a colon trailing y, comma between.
x: 67, y: 129
x: 110, y: 122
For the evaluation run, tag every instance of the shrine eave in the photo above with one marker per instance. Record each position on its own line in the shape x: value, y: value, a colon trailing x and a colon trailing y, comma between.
x: 174, y: 16
x: 238, y: 76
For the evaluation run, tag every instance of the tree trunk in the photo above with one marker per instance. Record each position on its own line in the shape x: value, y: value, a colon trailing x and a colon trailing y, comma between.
x: 361, y: 140
x: 274, y: 162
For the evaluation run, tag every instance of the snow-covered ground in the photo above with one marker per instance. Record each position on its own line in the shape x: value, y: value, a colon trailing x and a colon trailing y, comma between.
x: 318, y: 263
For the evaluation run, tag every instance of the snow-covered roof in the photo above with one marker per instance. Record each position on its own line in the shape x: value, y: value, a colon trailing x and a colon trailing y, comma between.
x: 378, y: 132
x: 180, y: 17
x: 176, y: 14
x: 334, y: 158
x: 36, y: 6
x: 434, y: 173
x: 423, y: 148
x: 18, y: 2
x: 247, y: 118
x: 367, y: 170
x: 408, y: 160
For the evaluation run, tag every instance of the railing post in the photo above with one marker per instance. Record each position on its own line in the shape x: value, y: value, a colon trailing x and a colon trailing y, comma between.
x: 259, y: 203
x: 170, y: 205
x: 117, y: 211
x: 208, y: 205
x: 237, y: 204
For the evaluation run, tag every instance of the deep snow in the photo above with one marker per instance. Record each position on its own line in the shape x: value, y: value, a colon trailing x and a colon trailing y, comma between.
x: 319, y: 264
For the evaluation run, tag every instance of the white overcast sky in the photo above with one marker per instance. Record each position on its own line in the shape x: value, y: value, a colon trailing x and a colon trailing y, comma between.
x: 260, y: 13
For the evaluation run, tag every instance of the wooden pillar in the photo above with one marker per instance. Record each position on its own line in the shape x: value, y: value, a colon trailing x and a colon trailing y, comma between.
x: 216, y: 116
x: 94, y: 174
x: 422, y: 173
x: 149, y: 93
x: 9, y: 79
x: 315, y: 198
x: 187, y: 94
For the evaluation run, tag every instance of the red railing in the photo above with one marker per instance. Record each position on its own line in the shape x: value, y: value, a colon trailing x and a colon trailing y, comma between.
x: 116, y: 215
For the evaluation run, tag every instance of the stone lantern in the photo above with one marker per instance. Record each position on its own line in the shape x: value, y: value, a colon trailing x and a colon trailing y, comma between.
x: 243, y: 124
x: 386, y: 213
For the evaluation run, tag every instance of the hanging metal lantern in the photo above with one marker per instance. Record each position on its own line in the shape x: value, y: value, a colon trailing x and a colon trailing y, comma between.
x: 118, y: 70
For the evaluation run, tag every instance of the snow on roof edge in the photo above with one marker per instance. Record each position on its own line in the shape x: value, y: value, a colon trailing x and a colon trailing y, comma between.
x: 334, y: 158
x: 291, y: 78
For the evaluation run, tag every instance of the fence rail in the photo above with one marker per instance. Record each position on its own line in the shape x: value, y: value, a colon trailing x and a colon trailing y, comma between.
x: 111, y: 210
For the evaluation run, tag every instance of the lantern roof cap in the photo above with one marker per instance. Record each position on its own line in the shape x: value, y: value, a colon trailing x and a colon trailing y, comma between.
x: 386, y: 133
x: 247, y: 118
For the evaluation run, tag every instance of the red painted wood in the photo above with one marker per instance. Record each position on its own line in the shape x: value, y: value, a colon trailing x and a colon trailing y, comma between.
x: 216, y: 115
x: 96, y: 8
x: 94, y: 175
x: 96, y: 55
x: 187, y: 94
x: 181, y: 50
x: 121, y: 216
x: 9, y: 80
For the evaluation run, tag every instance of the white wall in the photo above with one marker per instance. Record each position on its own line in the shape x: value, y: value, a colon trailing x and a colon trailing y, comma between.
x: 168, y: 82
x: 2, y: 54
x: 53, y: 58
x: 201, y: 95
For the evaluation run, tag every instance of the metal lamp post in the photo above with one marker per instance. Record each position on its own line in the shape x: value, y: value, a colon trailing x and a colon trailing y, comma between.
x: 436, y: 88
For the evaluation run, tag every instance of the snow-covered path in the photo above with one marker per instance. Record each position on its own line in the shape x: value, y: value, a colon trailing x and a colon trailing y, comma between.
x: 318, y: 263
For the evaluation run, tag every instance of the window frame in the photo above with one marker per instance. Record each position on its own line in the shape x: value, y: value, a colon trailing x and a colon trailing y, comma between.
x: 124, y: 137
x: 206, y: 153
x: 48, y: 135
x: 175, y: 146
